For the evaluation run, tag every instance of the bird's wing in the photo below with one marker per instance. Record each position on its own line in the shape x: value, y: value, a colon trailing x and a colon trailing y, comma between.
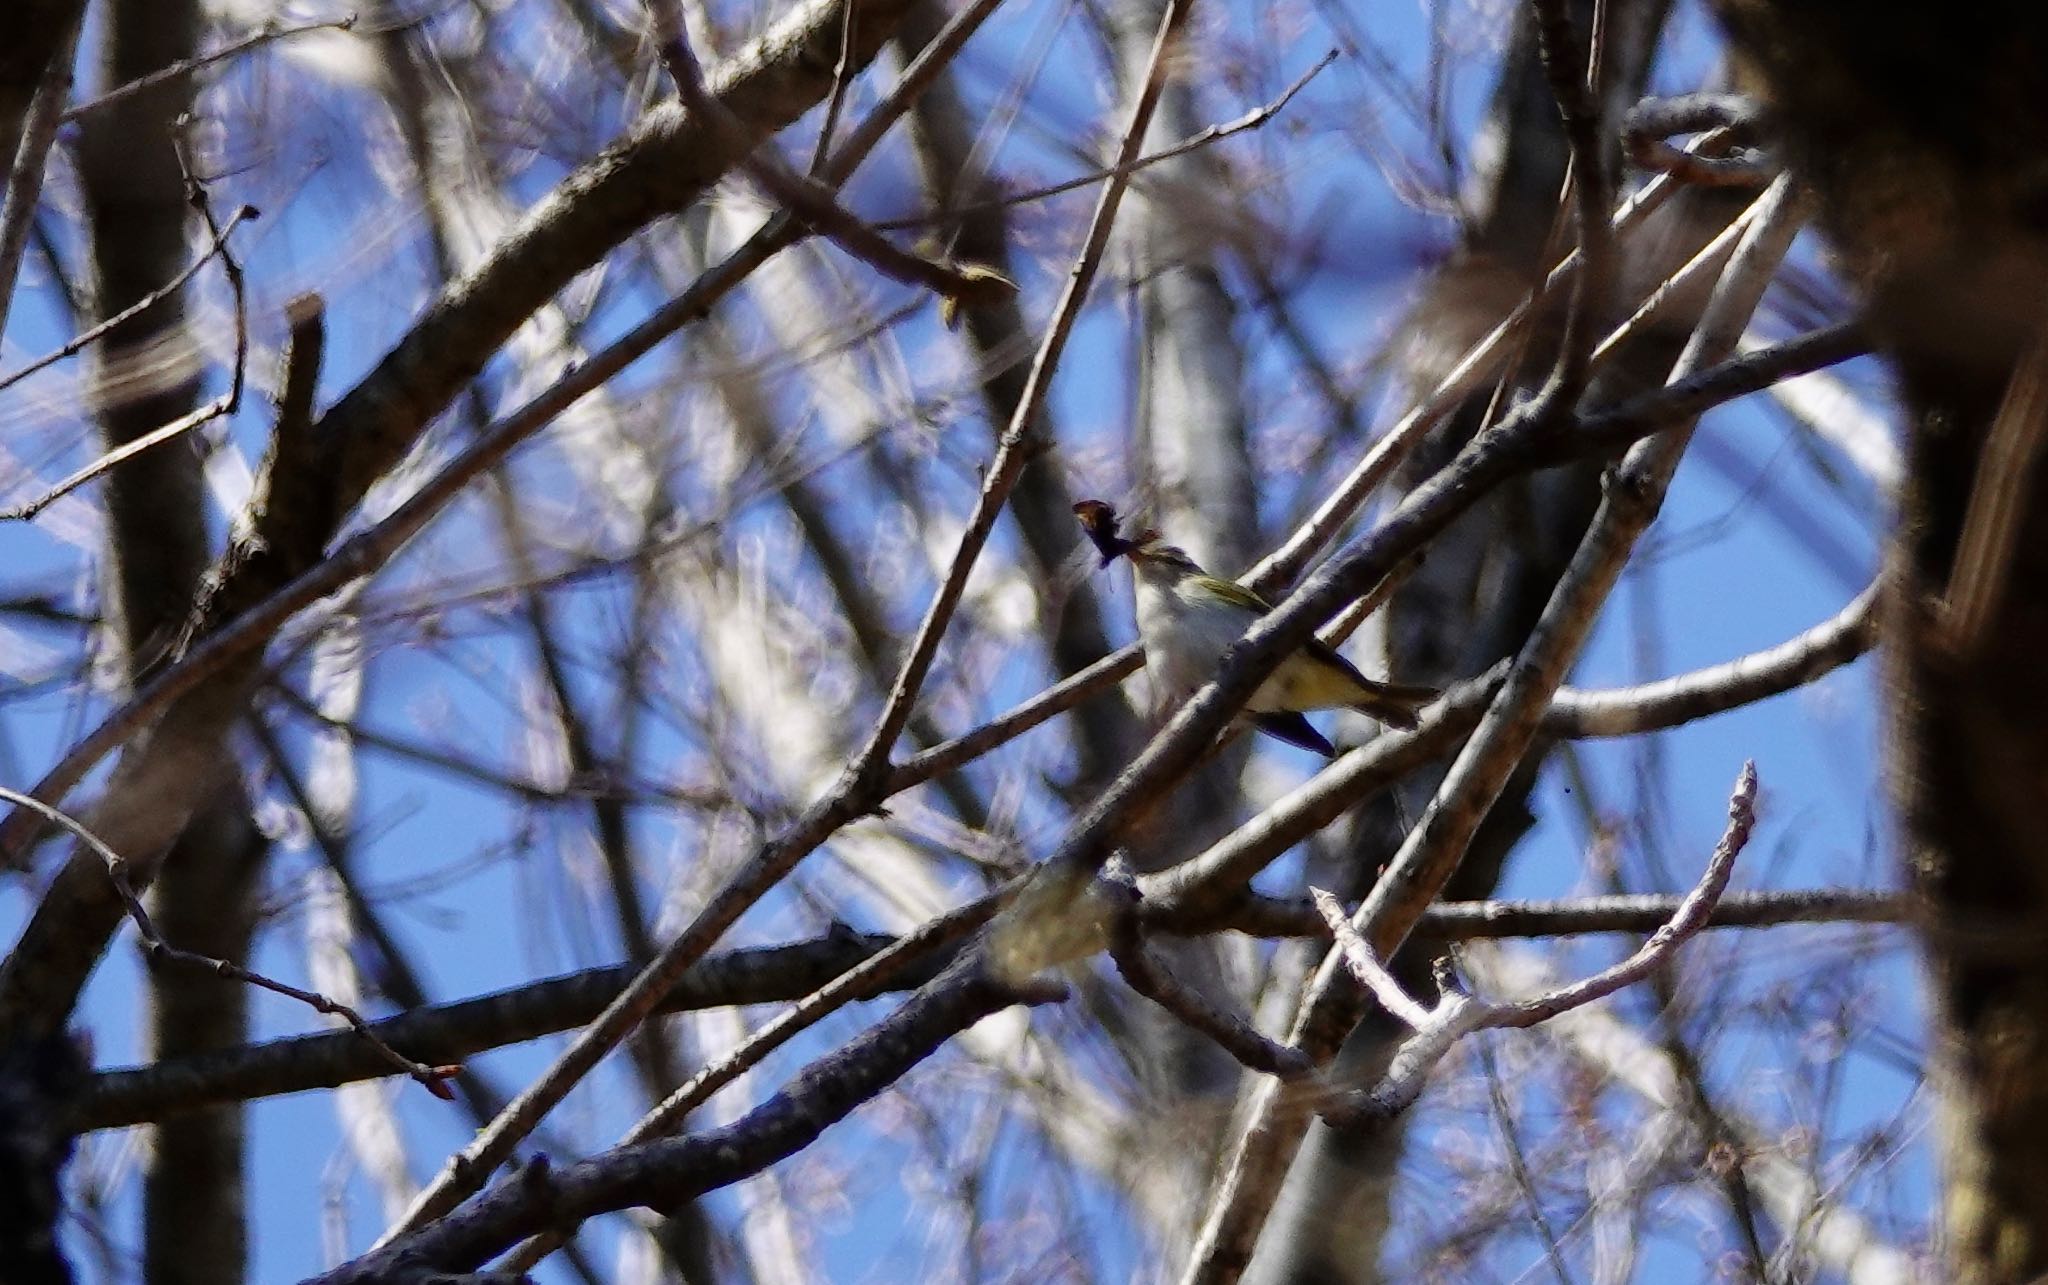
x: 1391, y: 703
x: 1236, y: 594
x: 1295, y: 729
x: 1239, y: 596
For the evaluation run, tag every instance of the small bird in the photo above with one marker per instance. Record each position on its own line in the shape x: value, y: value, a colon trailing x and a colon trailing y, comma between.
x: 1189, y: 618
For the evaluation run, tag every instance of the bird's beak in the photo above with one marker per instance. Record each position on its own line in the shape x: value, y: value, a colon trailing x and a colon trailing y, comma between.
x: 1099, y: 521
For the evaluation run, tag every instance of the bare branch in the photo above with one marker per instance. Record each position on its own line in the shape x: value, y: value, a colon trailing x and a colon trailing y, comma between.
x: 1457, y: 1015
x: 1432, y: 850
x: 1638, y: 913
x: 86, y: 338
x: 859, y: 789
x: 27, y: 510
x: 433, y: 1077
x: 31, y: 158
x: 803, y: 973
x: 226, y: 404
x: 665, y: 1172
x: 1251, y: 120
x: 1233, y: 1034
x: 183, y: 68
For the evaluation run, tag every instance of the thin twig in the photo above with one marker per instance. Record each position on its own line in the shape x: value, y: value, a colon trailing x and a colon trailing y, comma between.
x: 85, y: 338
x: 1253, y: 119
x: 809, y: 199
x: 1457, y: 1015
x: 434, y: 1078
x: 1566, y: 65
x: 226, y: 404
x: 842, y: 80
x: 859, y: 788
x: 1055, y: 700
x: 1518, y: 1161
x: 201, y: 202
x: 107, y: 463
x: 1432, y: 850
x: 192, y: 66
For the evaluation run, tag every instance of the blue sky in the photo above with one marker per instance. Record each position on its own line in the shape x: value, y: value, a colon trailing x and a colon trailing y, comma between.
x: 1733, y: 566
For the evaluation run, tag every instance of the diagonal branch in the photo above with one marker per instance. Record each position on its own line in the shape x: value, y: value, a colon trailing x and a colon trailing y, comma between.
x: 433, y: 1077
x: 1433, y: 849
x: 665, y: 1172
x: 1456, y: 1016
x: 31, y: 156
x: 860, y: 787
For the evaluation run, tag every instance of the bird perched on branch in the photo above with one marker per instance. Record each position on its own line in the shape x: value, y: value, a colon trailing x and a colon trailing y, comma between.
x: 1189, y: 618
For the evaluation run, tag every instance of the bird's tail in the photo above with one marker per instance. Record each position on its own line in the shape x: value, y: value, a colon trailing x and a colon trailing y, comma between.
x: 1395, y: 704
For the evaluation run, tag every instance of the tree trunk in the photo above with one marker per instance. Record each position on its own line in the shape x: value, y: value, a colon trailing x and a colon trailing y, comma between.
x: 1922, y: 131
x: 148, y: 374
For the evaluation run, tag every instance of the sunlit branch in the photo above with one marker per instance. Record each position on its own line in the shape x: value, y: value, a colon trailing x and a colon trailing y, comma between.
x: 1432, y: 850
x: 1455, y: 1016
x: 861, y: 787
x: 819, y: 972
x: 668, y: 1171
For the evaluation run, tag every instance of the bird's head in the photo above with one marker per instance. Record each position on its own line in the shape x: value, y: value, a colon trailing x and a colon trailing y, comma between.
x: 1148, y: 550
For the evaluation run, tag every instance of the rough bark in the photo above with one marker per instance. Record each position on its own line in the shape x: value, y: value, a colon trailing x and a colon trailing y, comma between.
x: 1922, y: 131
